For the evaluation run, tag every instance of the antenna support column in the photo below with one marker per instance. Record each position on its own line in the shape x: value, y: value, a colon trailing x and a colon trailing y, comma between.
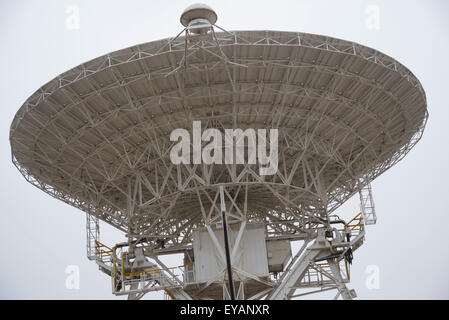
x: 226, y: 244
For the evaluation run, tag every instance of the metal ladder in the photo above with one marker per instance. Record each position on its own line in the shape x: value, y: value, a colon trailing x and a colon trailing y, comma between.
x: 367, y: 205
x: 93, y: 236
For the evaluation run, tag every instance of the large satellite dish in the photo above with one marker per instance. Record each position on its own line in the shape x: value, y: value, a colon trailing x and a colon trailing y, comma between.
x: 98, y: 138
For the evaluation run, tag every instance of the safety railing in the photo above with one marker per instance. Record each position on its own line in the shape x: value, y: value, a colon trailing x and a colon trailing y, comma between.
x: 153, y: 271
x: 103, y: 252
x: 354, y: 226
x: 313, y: 277
x: 125, y: 280
x: 316, y: 275
x: 168, y: 295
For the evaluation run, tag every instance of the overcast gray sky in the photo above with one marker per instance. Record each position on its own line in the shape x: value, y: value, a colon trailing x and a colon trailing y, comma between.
x: 41, y: 236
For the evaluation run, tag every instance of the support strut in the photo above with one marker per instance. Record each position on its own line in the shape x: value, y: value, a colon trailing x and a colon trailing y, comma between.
x: 226, y: 244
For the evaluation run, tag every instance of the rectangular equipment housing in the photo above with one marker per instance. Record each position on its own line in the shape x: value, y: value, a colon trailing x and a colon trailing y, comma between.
x: 251, y: 255
x: 279, y: 253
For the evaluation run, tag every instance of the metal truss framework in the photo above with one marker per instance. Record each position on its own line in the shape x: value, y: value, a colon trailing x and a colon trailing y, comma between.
x: 97, y: 138
x: 321, y: 264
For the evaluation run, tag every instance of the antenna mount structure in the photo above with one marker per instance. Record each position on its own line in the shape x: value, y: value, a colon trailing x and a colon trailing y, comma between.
x: 98, y: 138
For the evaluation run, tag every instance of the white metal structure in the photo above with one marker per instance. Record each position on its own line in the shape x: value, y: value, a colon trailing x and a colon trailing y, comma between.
x: 97, y: 138
x: 367, y: 205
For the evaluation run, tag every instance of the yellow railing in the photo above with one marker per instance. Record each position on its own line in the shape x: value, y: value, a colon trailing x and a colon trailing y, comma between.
x: 168, y: 295
x: 103, y: 252
x: 348, y: 270
x: 153, y: 271
x: 355, y: 225
x: 107, y: 254
x: 142, y: 272
x: 124, y: 275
